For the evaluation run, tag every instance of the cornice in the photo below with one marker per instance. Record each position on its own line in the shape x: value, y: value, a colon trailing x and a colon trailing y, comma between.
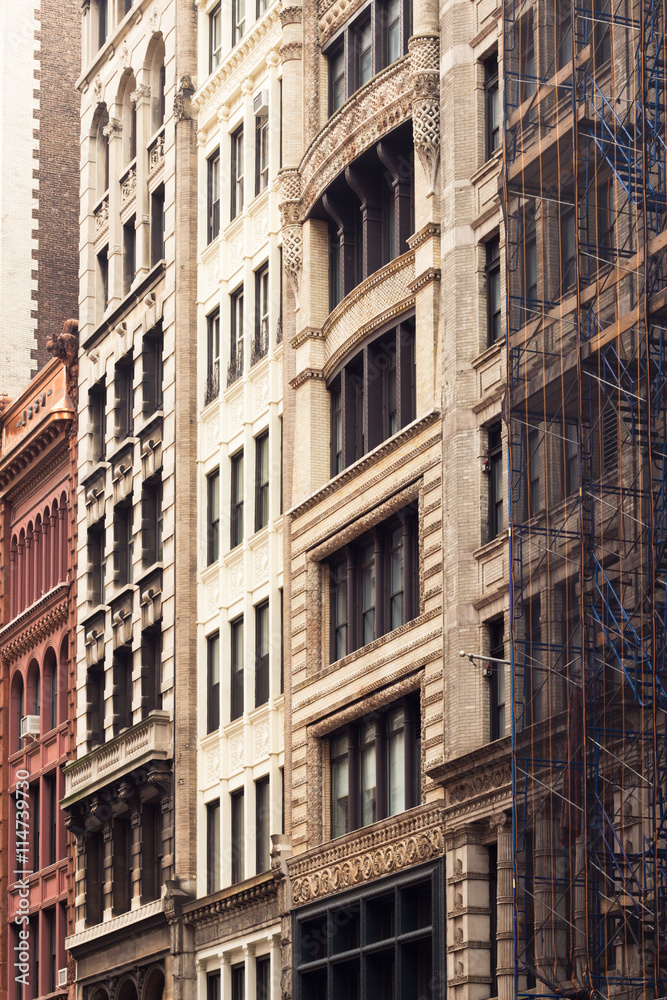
x: 37, y: 622
x: 377, y: 454
x: 428, y: 231
x: 130, y: 919
x: 55, y: 424
x: 305, y: 376
x: 255, y: 891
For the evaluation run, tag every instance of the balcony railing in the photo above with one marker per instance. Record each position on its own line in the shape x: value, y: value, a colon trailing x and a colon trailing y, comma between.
x: 260, y: 344
x: 235, y: 369
x: 212, y: 387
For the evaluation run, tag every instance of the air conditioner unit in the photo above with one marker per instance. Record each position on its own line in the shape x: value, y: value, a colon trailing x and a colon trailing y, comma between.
x: 29, y: 726
x: 260, y: 104
x: 62, y: 979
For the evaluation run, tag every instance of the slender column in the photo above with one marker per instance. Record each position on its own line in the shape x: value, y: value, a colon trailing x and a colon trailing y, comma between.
x: 29, y: 576
x: 53, y: 548
x: 13, y: 582
x: 62, y: 544
x: 141, y: 97
x: 250, y: 971
x: 276, y: 965
x: 114, y: 133
x: 505, y: 905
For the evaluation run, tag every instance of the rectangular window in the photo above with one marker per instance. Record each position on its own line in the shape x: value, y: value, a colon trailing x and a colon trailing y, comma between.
x: 214, y: 38
x: 261, y: 654
x: 124, y: 398
x: 236, y: 663
x: 527, y: 69
x: 213, y: 985
x: 52, y: 953
x: 493, y: 301
x: 213, y: 846
x: 213, y: 682
x: 238, y: 20
x: 123, y: 549
x: 212, y: 389
x: 94, y: 869
x: 96, y: 563
x: 237, y: 171
x: 153, y: 373
x: 129, y: 254
x: 392, y: 46
x: 97, y: 398
x: 157, y: 225
x: 568, y: 248
x: 362, y: 47
x: 533, y: 470
x: 563, y: 33
x: 495, y: 454
x: 262, y: 825
x: 570, y: 461
x: 605, y: 218
x: 238, y: 982
x: 491, y: 105
x: 213, y: 196
x: 151, y: 851
x: 373, y: 584
x: 236, y: 520
x: 261, y: 153
x: 261, y: 481
x: 374, y: 767
x: 151, y: 670
x: 102, y: 22
x: 103, y: 278
x: 238, y: 837
x: 336, y: 62
x: 261, y: 345
x: 121, y: 882
x: 235, y: 370
x: 609, y: 427
x: 151, y: 523
x: 263, y: 977
x: 122, y: 689
x: 213, y: 517
x: 497, y: 678
x: 53, y: 813
x: 95, y: 704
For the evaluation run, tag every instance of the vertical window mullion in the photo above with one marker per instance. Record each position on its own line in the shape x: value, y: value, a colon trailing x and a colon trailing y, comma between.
x: 380, y: 584
x: 354, y: 785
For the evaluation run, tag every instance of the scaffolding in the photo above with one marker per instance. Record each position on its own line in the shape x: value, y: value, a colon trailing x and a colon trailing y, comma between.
x: 585, y: 202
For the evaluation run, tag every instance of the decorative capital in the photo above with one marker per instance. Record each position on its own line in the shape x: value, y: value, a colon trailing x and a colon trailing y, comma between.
x: 113, y: 129
x: 140, y: 94
x: 291, y: 15
x: 292, y: 50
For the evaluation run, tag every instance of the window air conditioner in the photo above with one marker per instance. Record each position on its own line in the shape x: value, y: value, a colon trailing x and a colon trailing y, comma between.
x: 260, y: 104
x: 29, y: 726
x: 62, y: 979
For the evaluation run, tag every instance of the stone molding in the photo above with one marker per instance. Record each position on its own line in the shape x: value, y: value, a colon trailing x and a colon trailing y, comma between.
x: 305, y: 376
x: 21, y: 635
x: 357, y: 858
x: 114, y: 924
x: 251, y: 893
x: 290, y: 51
x: 372, y: 111
x: 291, y: 15
x: 334, y: 13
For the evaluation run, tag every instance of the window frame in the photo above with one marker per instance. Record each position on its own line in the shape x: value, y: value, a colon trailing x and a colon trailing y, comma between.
x: 262, y: 653
x: 238, y: 21
x: 261, y: 153
x: 262, y: 480
x: 237, y: 500
x: 212, y: 386
x: 236, y: 666
x: 237, y: 807
x: 214, y: 33
x: 213, y: 847
x: 260, y: 346
x: 237, y: 336
x: 213, y: 196
x: 237, y: 161
x: 492, y: 133
x: 262, y: 824
x: 213, y: 682
x: 213, y: 513
x: 494, y: 319
x: 495, y: 473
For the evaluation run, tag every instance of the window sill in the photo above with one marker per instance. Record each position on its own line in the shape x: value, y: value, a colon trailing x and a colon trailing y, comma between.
x: 95, y: 612
x: 494, y: 545
x: 489, y: 166
x: 124, y: 443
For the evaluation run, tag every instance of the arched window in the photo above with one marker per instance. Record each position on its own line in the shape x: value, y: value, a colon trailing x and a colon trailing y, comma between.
x: 62, y: 555
x: 51, y: 689
x: 157, y: 82
x: 34, y: 699
x: 39, y: 557
x: 129, y: 119
x: 21, y: 572
x: 13, y: 576
x: 101, y: 152
x: 18, y: 711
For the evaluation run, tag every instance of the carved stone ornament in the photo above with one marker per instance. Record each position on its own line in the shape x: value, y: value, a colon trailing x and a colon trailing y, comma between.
x: 97, y: 88
x: 155, y: 20
x: 292, y: 50
x: 424, y: 69
x: 113, y: 129
x: 293, y: 257
x: 291, y: 15
x: 64, y: 345
x: 141, y: 93
x: 184, y: 91
x: 125, y: 55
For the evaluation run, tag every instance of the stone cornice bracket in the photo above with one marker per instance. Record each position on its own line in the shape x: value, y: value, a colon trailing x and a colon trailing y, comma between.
x: 140, y: 94
x: 425, y: 72
x: 292, y: 14
x: 290, y: 195
x: 113, y: 129
x: 183, y: 98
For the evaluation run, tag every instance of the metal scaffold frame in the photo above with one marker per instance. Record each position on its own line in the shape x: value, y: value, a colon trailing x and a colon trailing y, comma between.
x: 585, y: 205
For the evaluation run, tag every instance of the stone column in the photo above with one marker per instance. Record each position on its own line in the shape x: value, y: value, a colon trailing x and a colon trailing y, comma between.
x: 467, y: 907
x: 114, y: 133
x: 275, y: 965
x: 249, y: 969
x: 141, y: 98
x: 505, y: 907
x: 226, y: 976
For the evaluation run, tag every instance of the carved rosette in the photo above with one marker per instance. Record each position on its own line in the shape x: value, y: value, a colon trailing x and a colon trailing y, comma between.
x: 290, y: 194
x: 424, y: 70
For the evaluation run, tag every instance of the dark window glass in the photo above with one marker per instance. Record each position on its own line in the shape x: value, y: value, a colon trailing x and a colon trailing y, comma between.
x: 151, y: 670
x: 53, y: 813
x: 235, y: 370
x: 261, y: 481
x: 236, y: 636
x: 261, y: 153
x: 97, y: 407
x: 491, y: 105
x: 95, y: 704
x: 212, y: 388
x: 214, y: 38
x: 151, y: 523
x: 213, y: 520
x: 493, y: 301
x: 263, y: 976
x: 152, y: 376
x: 52, y: 953
x: 123, y: 549
x: 238, y: 837
x: 121, y: 887
x: 103, y: 272
x: 362, y: 38
x: 495, y: 481
x: 570, y: 466
x: 124, y: 398
x: 261, y: 654
x: 213, y: 846
x: 260, y: 346
x: 102, y: 21
x: 238, y: 20
x: 95, y: 876
x: 237, y: 173
x: 262, y: 828
x: 122, y: 689
x: 213, y: 187
x: 157, y: 225
x: 336, y: 78
x: 236, y: 500
x: 96, y: 563
x: 568, y: 249
x: 375, y: 766
x: 605, y: 218
x: 212, y: 986
x: 563, y: 33
x: 497, y: 678
x: 213, y: 683
x: 533, y: 471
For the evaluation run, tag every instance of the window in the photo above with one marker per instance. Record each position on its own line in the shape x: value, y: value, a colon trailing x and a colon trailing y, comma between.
x: 102, y: 22
x: 261, y: 153
x: 124, y: 397
x: 497, y: 678
x: 263, y: 977
x: 122, y: 689
x: 213, y: 518
x: 533, y: 679
x: 129, y: 254
x: 261, y: 344
x: 609, y: 427
x: 153, y: 373
x: 563, y: 33
x: 495, y: 460
x: 151, y: 670
x: 375, y: 39
x: 493, y: 303
x: 375, y: 767
x: 605, y: 218
x: 151, y: 523
x: 236, y: 663
x: 95, y: 704
x: 213, y: 196
x: 122, y: 545
x: 235, y: 370
x: 213, y: 682
x: 96, y: 563
x: 261, y: 654
x: 238, y: 863
x: 491, y: 106
x: 97, y: 407
x: 213, y: 985
x: 95, y: 878
x: 121, y: 883
x: 103, y: 278
x: 36, y: 851
x: 528, y: 235
x: 35, y: 957
x: 151, y: 851
x: 533, y: 471
x: 53, y: 813
x: 261, y: 7
x: 262, y: 829
x: 261, y: 481
x: 214, y: 38
x: 375, y: 390
x: 157, y: 225
x: 212, y: 390
x: 238, y: 982
x: 601, y: 21
x: 373, y: 584
x: 568, y: 247
x: 238, y: 20
x: 50, y: 916
x: 527, y: 68
x: 53, y: 694
x: 237, y: 172
x: 213, y: 846
x: 236, y: 520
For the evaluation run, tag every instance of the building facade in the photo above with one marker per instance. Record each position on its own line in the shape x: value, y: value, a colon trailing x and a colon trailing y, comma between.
x: 38, y: 484
x: 135, y: 697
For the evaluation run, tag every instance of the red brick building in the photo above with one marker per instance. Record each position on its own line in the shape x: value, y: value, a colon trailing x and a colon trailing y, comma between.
x: 37, y: 618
